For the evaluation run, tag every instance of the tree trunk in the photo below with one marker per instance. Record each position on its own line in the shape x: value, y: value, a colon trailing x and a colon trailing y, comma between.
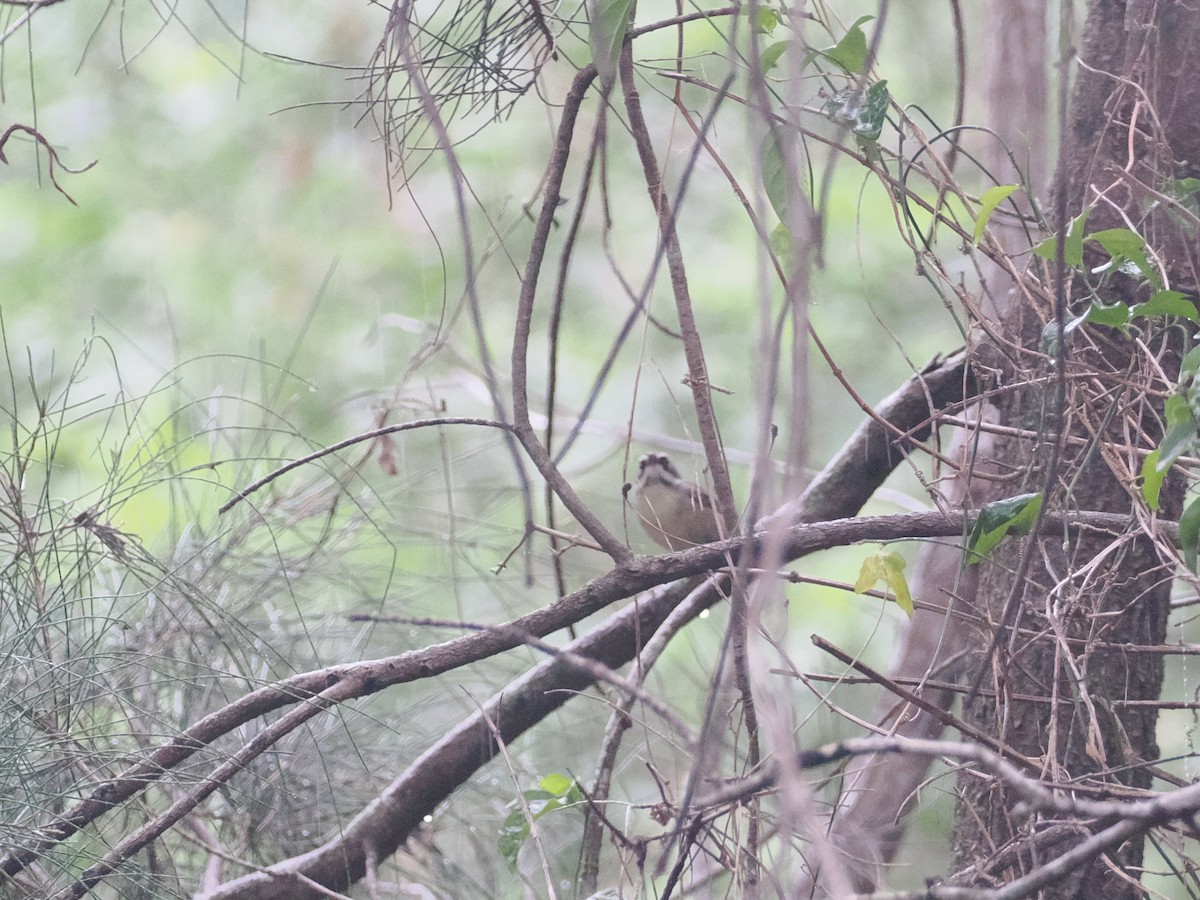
x: 1052, y: 690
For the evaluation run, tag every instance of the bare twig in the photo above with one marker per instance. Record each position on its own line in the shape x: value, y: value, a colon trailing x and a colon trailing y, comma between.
x: 350, y: 442
x: 34, y: 133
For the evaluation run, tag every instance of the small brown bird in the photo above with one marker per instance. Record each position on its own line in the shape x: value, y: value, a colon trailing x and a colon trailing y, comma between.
x: 677, y: 514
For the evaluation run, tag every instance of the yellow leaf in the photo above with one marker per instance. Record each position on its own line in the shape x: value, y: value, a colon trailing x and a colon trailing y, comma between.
x: 886, y: 566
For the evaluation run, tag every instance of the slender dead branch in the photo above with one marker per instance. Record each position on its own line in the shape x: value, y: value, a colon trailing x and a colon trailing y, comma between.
x: 692, y: 346
x: 371, y: 435
x: 41, y: 139
x: 523, y: 427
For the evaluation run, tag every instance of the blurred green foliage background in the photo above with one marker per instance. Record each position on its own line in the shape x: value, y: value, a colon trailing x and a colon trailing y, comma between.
x: 239, y: 239
x: 244, y: 277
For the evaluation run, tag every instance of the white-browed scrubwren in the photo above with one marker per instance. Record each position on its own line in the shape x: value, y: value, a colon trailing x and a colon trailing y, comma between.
x: 676, y: 513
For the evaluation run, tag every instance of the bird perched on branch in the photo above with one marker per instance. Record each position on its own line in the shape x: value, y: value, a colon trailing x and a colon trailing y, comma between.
x: 676, y: 513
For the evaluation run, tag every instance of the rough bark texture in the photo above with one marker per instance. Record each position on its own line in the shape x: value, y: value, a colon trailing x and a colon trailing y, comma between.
x: 1134, y: 127
x: 870, y: 820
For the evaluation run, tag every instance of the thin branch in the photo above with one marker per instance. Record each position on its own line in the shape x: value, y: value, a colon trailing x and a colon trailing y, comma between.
x: 1132, y: 817
x: 37, y: 135
x: 350, y: 442
x: 522, y: 425
x: 692, y: 347
x: 399, y: 24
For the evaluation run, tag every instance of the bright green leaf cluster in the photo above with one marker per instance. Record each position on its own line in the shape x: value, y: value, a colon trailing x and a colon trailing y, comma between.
x: 886, y: 566
x: 1119, y: 315
x: 849, y: 54
x: 554, y: 792
x: 1126, y: 250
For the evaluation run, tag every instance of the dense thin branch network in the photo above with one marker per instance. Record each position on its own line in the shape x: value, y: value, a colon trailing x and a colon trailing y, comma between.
x: 179, y: 752
x: 476, y: 59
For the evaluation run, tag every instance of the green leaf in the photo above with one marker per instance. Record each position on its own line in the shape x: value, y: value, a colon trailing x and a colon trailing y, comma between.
x: 1178, y: 411
x: 775, y: 174
x: 783, y: 246
x: 1189, y: 533
x: 1182, y: 189
x: 1024, y: 513
x: 997, y: 519
x: 1152, y: 479
x: 869, y: 123
x: 515, y: 828
x: 555, y: 791
x: 1119, y: 241
x: 1073, y: 249
x: 1179, y: 438
x: 886, y: 566
x: 766, y: 19
x: 1190, y: 365
x: 610, y: 22
x: 513, y: 833
x: 991, y: 198
x: 1121, y: 244
x: 1050, y: 333
x: 851, y: 51
x: 864, y: 111
x: 557, y: 784
x: 1115, y: 316
x: 772, y: 54
x: 1167, y: 303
